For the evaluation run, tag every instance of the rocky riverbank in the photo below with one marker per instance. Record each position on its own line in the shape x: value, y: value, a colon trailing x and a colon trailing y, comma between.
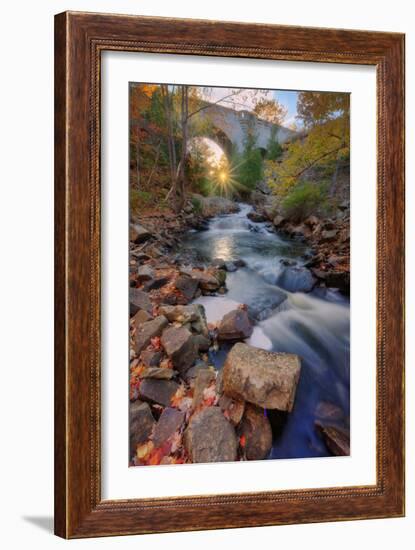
x: 328, y: 264
x: 182, y: 409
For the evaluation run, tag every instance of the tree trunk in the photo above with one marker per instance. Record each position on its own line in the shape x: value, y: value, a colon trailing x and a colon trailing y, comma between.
x: 137, y: 163
x: 168, y: 109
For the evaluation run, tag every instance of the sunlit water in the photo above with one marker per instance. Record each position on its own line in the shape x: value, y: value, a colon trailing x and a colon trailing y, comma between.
x: 315, y: 326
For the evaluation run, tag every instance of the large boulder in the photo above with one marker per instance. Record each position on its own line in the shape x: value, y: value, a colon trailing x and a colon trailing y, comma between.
x: 148, y: 330
x: 157, y: 391
x: 210, y: 437
x: 138, y: 233
x: 169, y: 422
x: 141, y: 424
x: 296, y: 279
x: 264, y: 378
x: 255, y: 429
x: 235, y: 325
x: 181, y: 346
x: 139, y: 300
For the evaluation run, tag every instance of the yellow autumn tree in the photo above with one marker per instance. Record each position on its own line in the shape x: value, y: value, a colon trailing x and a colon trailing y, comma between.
x: 325, y: 140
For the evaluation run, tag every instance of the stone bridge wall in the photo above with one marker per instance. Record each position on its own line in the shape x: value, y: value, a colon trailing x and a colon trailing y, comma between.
x: 235, y: 124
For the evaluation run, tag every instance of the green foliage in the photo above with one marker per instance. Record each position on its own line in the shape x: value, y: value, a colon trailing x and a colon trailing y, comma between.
x: 274, y: 150
x: 138, y: 199
x: 248, y: 165
x: 197, y: 205
x: 304, y: 199
x: 251, y: 169
x: 324, y: 144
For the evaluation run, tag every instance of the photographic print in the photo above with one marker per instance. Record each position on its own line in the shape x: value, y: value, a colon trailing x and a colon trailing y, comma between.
x: 239, y: 274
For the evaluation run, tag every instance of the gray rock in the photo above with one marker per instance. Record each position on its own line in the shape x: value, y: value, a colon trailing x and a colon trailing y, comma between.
x: 193, y: 314
x: 203, y: 379
x: 141, y: 317
x: 139, y: 300
x: 151, y: 358
x: 219, y: 382
x: 158, y: 373
x: 180, y: 346
x: 264, y: 378
x: 239, y: 262
x: 141, y: 424
x: 210, y: 437
x: 235, y: 325
x: 278, y: 220
x: 256, y: 429
x: 329, y: 412
x: 256, y: 217
x: 145, y: 273
x: 312, y: 221
x: 202, y: 342
x: 233, y: 409
x: 345, y: 205
x: 191, y: 373
x: 219, y: 263
x: 169, y: 422
x: 138, y: 233
x: 329, y: 235
x: 147, y: 331
x: 337, y: 440
x: 207, y: 281
x: 155, y: 284
x: 266, y: 304
x: 340, y: 280
x: 187, y: 286
x: 157, y: 391
x: 296, y: 279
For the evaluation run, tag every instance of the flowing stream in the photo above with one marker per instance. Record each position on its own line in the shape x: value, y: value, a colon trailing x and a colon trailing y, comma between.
x: 315, y: 325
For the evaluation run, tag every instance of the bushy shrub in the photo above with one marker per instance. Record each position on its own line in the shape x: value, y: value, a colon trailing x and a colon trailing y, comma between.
x: 250, y: 169
x: 304, y: 199
x: 274, y: 150
x: 197, y: 204
x: 138, y: 199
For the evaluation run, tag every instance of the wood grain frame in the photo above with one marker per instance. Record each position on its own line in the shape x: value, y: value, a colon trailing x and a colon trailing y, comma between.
x: 79, y: 40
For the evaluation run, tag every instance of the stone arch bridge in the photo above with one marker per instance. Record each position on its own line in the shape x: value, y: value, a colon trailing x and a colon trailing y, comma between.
x: 230, y: 127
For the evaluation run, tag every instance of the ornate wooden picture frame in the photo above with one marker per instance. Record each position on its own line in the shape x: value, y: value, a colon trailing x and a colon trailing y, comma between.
x: 80, y: 38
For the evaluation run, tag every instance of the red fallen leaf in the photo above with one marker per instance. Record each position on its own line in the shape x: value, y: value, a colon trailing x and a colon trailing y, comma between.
x: 242, y: 441
x: 158, y: 454
x: 156, y: 343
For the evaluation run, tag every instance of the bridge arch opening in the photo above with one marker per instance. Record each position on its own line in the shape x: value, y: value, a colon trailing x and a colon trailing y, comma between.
x: 210, y: 165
